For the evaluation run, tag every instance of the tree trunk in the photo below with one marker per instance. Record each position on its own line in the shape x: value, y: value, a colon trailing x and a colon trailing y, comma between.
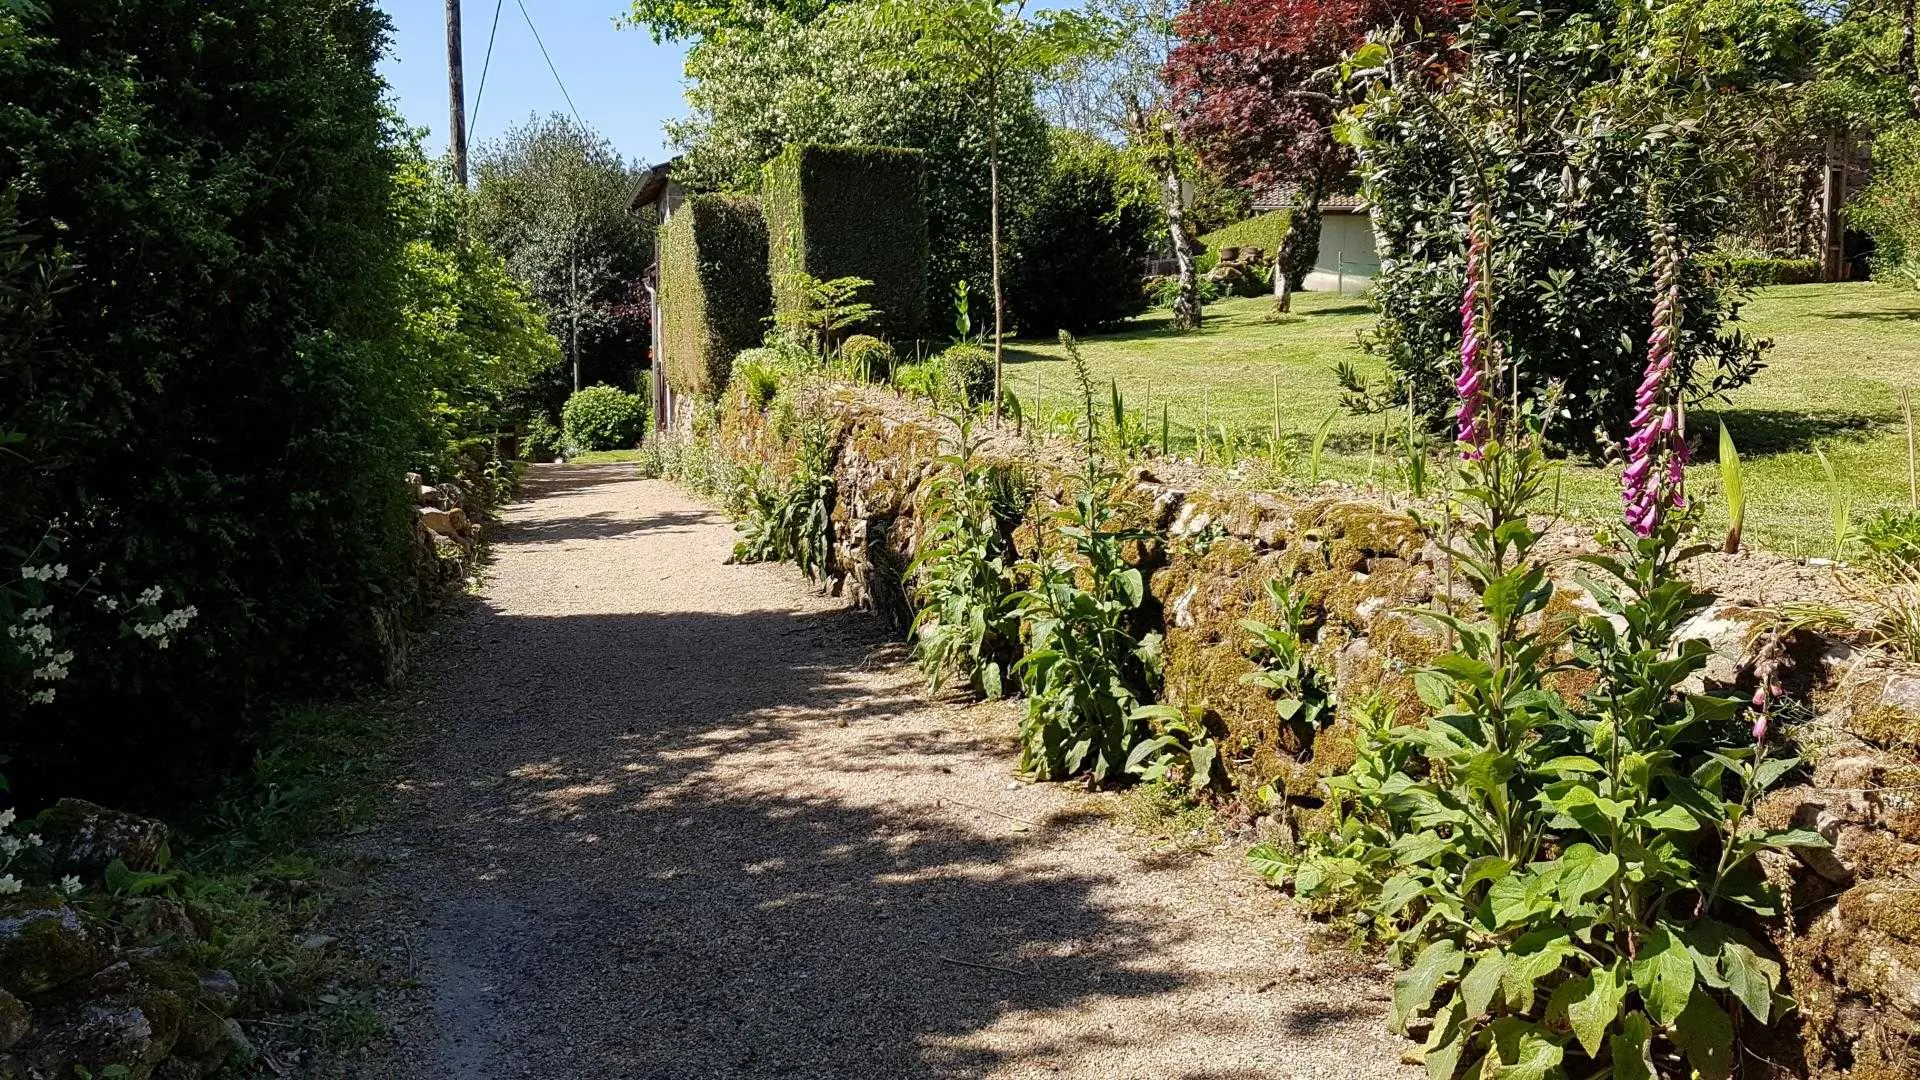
x: 1304, y: 216
x: 1186, y: 305
x: 573, y: 312
x: 1909, y: 69
x: 993, y: 234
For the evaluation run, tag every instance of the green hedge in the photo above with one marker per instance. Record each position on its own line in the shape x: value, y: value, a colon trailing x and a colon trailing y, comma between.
x: 1754, y: 272
x: 714, y: 296
x: 852, y: 211
x: 1265, y: 231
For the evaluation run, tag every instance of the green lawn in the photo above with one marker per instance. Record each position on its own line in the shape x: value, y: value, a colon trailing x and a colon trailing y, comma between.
x: 1840, y: 353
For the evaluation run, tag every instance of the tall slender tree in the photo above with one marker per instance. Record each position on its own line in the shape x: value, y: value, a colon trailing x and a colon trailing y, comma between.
x: 1123, y: 91
x: 552, y: 200
x: 998, y: 50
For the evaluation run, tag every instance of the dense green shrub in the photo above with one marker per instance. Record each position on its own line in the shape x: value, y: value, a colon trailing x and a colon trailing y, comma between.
x: 715, y: 296
x: 1571, y: 206
x: 218, y: 405
x: 1264, y: 231
x: 543, y: 440
x: 1889, y: 209
x: 851, y: 212
x: 1751, y: 272
x: 847, y: 78
x: 1086, y: 234
x: 603, y: 418
x: 966, y: 371
x: 869, y: 357
x: 1162, y: 292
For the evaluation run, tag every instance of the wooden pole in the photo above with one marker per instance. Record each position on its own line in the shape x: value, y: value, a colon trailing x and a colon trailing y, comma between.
x: 456, y: 96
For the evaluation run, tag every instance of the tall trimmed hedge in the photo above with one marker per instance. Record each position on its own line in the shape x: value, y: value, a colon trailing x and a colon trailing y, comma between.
x: 216, y: 403
x: 714, y: 292
x: 852, y: 211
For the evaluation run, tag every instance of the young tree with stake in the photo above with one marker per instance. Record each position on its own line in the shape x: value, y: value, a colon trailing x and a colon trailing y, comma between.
x: 995, y: 48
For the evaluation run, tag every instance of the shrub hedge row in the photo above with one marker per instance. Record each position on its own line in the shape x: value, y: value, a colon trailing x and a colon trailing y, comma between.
x: 1754, y: 272
x: 852, y: 211
x: 714, y: 293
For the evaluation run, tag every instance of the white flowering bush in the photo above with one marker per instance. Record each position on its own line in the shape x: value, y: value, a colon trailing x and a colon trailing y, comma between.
x: 45, y: 598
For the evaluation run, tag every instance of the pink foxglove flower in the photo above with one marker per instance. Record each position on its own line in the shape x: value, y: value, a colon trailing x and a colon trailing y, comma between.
x: 1655, y: 479
x: 1475, y: 351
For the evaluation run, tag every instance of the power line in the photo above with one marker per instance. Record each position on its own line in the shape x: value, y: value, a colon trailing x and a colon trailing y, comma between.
x: 549, y: 59
x: 473, y: 121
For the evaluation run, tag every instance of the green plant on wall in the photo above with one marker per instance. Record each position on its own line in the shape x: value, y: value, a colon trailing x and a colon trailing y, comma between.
x: 1086, y: 671
x: 969, y: 622
x: 820, y: 313
x: 1567, y: 879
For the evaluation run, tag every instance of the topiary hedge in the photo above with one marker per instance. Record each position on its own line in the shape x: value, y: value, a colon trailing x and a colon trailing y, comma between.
x: 714, y: 295
x: 1755, y: 272
x: 851, y: 211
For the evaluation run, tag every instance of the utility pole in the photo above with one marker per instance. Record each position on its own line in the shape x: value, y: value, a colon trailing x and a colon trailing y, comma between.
x: 456, y: 95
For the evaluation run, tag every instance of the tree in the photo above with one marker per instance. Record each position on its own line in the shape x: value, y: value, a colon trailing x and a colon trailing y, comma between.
x: 846, y: 78
x: 552, y: 199
x: 1574, y: 143
x: 995, y: 49
x: 1088, y: 231
x: 1254, y: 84
x: 1123, y: 91
x: 475, y: 337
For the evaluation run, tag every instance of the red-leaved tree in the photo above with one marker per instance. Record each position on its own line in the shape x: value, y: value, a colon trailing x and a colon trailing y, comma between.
x: 1255, y: 88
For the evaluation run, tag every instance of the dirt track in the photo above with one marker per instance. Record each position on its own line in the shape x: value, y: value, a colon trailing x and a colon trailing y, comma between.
x: 678, y: 819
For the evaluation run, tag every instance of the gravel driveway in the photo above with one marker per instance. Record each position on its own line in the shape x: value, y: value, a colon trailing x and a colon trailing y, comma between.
x: 678, y: 819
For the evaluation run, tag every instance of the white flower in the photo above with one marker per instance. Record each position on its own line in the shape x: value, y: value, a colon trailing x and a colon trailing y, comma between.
x: 9, y: 884
x: 107, y: 603
x: 69, y: 886
x: 6, y: 817
x: 150, y: 596
x: 41, y: 697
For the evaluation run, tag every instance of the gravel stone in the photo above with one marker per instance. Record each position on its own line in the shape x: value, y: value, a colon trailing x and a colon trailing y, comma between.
x: 674, y: 819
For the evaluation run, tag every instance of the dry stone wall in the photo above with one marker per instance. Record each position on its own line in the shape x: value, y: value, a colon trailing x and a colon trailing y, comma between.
x: 1851, y: 931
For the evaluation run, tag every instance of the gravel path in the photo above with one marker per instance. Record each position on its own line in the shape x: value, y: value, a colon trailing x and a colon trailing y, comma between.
x: 678, y: 819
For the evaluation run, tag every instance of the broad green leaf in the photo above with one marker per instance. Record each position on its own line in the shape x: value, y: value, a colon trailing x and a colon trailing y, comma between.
x: 1268, y: 861
x: 1418, y: 847
x: 1671, y: 817
x: 1447, y: 1041
x: 1771, y: 771
x: 1526, y: 968
x: 1704, y: 1032
x: 1482, y: 982
x: 1751, y: 977
x: 1594, y: 1013
x: 1585, y: 871
x: 1484, y: 868
x: 1632, y: 1049
x: 1794, y: 838
x: 1663, y: 974
x: 1413, y: 991
x: 1397, y: 892
x: 1521, y: 1051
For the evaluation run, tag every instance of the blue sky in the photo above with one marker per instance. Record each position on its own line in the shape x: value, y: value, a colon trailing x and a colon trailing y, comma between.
x: 624, y: 85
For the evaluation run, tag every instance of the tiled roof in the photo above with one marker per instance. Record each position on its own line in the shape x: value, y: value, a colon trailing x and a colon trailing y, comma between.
x: 1281, y: 196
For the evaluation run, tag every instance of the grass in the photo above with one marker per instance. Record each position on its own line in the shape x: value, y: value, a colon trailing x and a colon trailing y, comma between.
x: 1841, y: 353
x: 604, y: 457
